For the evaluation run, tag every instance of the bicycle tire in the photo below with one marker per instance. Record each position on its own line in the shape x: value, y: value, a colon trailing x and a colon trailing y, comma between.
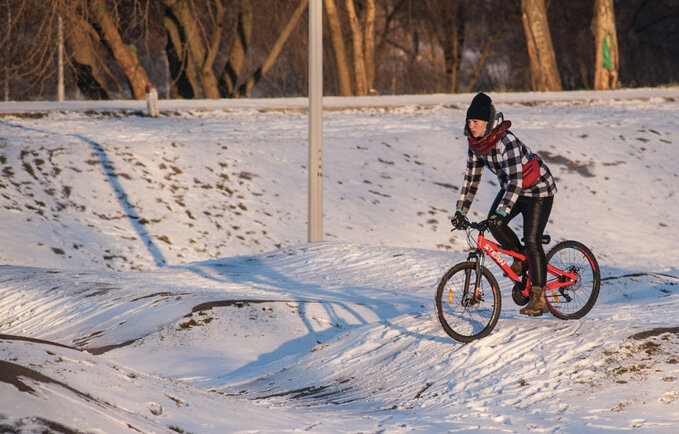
x: 574, y: 301
x: 467, y: 323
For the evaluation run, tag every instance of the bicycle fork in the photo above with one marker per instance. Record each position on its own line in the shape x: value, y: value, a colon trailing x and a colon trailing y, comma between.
x: 474, y: 296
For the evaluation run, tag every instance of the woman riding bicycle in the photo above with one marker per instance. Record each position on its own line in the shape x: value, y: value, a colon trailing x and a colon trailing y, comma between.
x: 527, y: 188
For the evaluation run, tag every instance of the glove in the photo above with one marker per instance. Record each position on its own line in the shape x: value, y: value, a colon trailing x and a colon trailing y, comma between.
x: 459, y: 218
x: 497, y: 219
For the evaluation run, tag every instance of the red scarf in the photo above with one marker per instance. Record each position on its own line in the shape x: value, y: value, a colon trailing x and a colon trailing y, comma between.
x: 486, y: 143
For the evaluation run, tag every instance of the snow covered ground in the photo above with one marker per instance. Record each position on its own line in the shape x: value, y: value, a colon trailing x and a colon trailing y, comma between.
x: 158, y: 278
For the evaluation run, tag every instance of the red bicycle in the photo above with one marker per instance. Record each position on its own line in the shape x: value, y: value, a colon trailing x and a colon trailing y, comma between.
x: 468, y: 300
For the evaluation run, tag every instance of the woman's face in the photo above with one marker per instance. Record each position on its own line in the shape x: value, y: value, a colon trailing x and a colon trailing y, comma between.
x: 477, y: 127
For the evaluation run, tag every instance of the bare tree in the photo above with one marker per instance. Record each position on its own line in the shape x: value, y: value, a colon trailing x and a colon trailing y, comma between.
x: 27, y: 43
x: 363, y: 45
x: 61, y: 88
x: 486, y: 55
x: 369, y: 43
x: 82, y: 40
x: 223, y: 48
x: 454, y: 22
x: 124, y: 54
x: 239, y: 49
x: 180, y: 64
x: 339, y: 49
x: 543, y: 71
x: 97, y: 50
x: 448, y: 19
x: 606, y: 63
x: 202, y: 48
x: 8, y: 36
x: 360, y: 79
x: 648, y: 35
x: 246, y: 87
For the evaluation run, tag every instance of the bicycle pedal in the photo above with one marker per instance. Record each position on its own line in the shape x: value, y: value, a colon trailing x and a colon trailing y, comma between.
x: 517, y: 295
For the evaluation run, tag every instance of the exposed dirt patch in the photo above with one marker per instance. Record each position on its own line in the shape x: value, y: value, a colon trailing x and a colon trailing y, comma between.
x: 37, y: 424
x: 584, y: 169
x: 25, y: 115
x: 337, y: 392
x: 447, y: 185
x: 193, y: 322
x: 238, y: 303
x: 16, y: 375
x: 651, y: 353
x: 101, y: 350
x: 36, y: 341
x: 655, y: 332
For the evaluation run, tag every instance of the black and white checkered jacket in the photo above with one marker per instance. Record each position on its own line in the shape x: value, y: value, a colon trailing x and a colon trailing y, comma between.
x: 506, y: 160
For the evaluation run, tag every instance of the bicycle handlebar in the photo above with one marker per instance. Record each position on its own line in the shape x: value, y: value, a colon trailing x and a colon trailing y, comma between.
x: 480, y: 226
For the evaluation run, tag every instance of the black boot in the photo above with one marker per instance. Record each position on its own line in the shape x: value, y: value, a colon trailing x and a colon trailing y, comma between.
x: 537, y: 304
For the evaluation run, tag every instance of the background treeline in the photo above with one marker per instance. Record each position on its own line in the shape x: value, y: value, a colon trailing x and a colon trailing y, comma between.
x: 241, y: 48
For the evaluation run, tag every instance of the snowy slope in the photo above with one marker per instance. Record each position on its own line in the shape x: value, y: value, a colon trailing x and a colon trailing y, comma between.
x: 82, y: 189
x: 173, y: 251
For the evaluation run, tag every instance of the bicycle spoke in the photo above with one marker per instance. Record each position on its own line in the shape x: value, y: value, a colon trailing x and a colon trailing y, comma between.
x: 574, y: 299
x: 467, y: 316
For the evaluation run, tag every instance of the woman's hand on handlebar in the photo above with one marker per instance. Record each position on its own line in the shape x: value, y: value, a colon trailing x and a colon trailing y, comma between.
x: 459, y: 220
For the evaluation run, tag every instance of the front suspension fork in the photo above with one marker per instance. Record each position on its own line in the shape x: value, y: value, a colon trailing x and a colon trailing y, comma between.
x: 468, y: 296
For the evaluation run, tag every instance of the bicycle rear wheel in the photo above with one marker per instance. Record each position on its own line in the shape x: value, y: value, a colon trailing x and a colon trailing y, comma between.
x: 472, y: 314
x: 573, y: 301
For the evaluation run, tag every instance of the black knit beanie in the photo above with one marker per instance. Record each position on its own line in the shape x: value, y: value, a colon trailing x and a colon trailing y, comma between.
x: 480, y: 108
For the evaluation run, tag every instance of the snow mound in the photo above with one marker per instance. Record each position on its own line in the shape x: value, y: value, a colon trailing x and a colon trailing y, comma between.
x: 159, y: 279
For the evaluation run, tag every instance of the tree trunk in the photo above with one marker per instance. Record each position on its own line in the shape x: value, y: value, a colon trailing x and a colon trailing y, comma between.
x: 543, y: 71
x: 357, y: 39
x: 341, y: 61
x: 203, y: 58
x: 6, y: 52
x: 61, y: 89
x: 80, y: 38
x: 184, y: 84
x: 453, y: 41
x: 122, y: 53
x: 488, y: 43
x: 433, y: 51
x: 606, y: 61
x: 239, y: 48
x: 369, y: 42
x: 245, y: 88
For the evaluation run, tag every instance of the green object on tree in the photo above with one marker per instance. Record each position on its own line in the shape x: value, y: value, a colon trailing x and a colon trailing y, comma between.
x: 606, y: 61
x: 133, y: 48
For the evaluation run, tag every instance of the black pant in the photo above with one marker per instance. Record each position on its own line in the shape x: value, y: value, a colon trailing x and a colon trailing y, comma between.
x: 535, y: 212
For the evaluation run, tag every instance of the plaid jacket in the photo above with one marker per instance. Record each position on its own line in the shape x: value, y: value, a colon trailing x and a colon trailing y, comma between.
x: 505, y: 160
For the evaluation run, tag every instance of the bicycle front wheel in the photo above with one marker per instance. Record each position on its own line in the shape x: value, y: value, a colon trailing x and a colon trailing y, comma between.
x: 467, y: 312
x: 573, y: 301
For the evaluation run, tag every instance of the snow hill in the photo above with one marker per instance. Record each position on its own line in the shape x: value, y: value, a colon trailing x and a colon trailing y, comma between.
x: 158, y: 278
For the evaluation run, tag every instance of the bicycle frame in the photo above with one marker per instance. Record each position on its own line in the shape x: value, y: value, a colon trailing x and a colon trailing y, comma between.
x: 485, y: 246
x: 468, y: 300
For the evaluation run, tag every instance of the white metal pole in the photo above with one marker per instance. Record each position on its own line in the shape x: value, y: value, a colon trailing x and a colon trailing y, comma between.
x: 60, y: 60
x: 315, y: 120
